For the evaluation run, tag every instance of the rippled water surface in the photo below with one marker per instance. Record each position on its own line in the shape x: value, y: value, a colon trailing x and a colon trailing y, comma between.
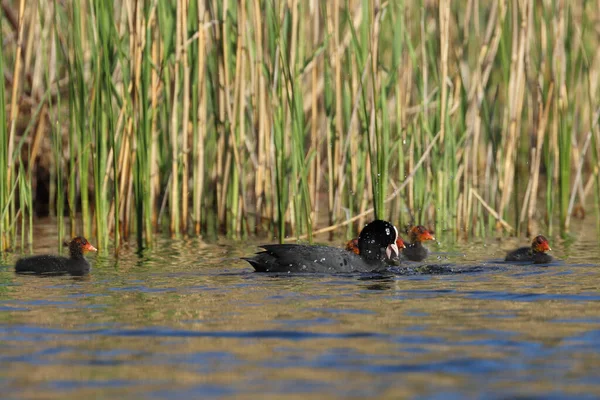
x: 190, y: 320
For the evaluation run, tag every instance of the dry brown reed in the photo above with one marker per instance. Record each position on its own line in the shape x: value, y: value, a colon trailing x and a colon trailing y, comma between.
x: 211, y: 117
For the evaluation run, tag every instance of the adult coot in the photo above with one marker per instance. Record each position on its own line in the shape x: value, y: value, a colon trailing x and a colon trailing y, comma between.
x: 415, y: 251
x: 76, y: 264
x: 376, y: 243
x: 536, y: 253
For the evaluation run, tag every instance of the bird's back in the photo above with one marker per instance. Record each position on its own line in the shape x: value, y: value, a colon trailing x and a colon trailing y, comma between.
x: 304, y: 258
x: 520, y: 254
x: 43, y: 264
x: 415, y: 252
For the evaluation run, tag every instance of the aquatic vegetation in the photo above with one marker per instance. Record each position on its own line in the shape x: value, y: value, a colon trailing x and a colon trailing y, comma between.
x: 296, y: 118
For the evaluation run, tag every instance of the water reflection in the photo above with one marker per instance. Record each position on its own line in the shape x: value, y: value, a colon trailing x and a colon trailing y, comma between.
x: 378, y: 283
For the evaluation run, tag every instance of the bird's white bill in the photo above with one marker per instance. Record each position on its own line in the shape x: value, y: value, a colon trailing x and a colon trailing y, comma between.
x: 392, y: 248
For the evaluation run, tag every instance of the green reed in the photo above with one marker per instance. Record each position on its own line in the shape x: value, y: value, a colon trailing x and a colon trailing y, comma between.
x: 285, y: 117
x: 25, y: 207
x: 101, y: 115
x: 57, y: 176
x: 73, y: 54
x: 141, y: 100
x: 5, y: 160
x: 299, y: 156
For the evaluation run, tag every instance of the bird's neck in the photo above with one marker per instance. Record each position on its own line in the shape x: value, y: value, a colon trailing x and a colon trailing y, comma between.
x: 372, y: 256
x: 76, y: 253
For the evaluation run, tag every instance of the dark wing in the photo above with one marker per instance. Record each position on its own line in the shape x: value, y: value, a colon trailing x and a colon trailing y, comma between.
x: 304, y: 258
x: 520, y: 254
x: 262, y: 262
x: 41, y: 264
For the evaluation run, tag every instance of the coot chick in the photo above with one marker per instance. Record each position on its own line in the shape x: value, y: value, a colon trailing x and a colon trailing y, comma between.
x: 415, y: 251
x: 536, y: 253
x: 376, y: 243
x: 76, y: 264
x: 352, y: 245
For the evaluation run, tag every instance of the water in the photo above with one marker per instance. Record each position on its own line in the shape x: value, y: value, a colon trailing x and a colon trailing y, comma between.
x: 190, y: 320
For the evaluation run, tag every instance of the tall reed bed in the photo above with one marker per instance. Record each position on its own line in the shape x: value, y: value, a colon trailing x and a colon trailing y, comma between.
x: 296, y: 118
